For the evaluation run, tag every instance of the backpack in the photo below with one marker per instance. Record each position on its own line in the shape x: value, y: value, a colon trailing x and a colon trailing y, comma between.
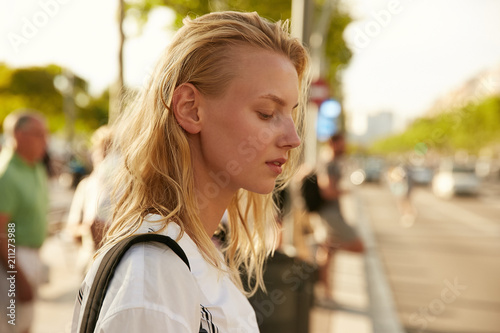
x: 106, y: 271
x: 311, y: 193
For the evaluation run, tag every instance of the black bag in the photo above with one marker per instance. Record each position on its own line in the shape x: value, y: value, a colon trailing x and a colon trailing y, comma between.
x: 294, y: 281
x: 106, y: 271
x: 311, y: 193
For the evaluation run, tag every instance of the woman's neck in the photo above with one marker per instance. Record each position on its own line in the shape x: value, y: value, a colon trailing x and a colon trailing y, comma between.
x: 211, y: 211
x: 213, y: 191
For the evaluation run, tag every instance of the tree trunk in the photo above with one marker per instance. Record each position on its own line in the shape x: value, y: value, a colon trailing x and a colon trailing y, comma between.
x: 117, y: 89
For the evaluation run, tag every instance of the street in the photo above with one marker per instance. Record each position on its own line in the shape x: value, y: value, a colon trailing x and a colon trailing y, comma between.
x: 444, y: 270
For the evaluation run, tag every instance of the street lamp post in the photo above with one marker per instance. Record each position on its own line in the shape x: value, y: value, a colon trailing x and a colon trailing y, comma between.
x: 65, y: 84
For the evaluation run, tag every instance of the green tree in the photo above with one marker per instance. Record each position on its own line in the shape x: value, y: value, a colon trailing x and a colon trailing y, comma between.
x: 31, y: 87
x: 478, y: 125
x: 276, y: 10
x: 470, y: 128
x: 337, y: 52
x: 35, y: 87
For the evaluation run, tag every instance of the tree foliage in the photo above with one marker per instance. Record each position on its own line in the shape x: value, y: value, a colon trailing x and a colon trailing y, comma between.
x: 469, y: 128
x: 337, y: 52
x: 278, y: 9
x: 34, y: 88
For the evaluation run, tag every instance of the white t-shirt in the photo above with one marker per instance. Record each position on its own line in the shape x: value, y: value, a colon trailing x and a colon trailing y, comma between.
x: 154, y: 291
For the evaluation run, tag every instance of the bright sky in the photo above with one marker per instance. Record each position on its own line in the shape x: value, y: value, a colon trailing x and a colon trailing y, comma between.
x: 407, y: 53
x: 405, y: 60
x: 81, y: 35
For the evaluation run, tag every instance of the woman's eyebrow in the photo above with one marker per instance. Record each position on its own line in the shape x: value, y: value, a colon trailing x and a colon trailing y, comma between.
x: 277, y: 100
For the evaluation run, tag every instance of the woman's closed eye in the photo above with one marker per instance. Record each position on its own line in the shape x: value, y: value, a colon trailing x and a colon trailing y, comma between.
x: 265, y: 115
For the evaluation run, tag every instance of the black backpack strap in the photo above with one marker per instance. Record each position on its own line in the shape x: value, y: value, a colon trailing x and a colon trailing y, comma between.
x: 106, y: 271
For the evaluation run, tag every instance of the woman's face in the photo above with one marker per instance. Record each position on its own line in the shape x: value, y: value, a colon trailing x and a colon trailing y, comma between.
x: 247, y: 132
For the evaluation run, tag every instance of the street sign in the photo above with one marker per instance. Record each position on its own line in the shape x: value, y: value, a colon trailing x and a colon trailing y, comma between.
x: 320, y: 91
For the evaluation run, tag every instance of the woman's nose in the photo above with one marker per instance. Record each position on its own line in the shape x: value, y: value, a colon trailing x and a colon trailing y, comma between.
x: 289, y: 138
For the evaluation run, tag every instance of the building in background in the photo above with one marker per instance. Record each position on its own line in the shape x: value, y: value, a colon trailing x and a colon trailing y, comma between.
x: 377, y: 126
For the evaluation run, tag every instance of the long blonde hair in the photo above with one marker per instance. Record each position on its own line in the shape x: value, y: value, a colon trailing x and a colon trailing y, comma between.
x: 156, y: 175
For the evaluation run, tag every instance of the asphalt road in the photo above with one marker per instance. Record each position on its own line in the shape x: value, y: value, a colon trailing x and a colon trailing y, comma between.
x: 444, y: 270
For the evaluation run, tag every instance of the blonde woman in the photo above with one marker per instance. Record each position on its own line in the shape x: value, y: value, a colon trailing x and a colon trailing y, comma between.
x: 218, y: 126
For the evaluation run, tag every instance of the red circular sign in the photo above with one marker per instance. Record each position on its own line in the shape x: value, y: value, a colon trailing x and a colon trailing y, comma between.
x: 320, y: 91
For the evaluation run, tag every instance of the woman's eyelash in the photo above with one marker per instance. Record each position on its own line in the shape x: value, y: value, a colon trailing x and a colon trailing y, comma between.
x: 265, y: 116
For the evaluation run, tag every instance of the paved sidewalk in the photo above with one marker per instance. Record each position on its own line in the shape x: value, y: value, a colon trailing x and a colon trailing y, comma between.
x: 351, y: 310
x: 54, y: 308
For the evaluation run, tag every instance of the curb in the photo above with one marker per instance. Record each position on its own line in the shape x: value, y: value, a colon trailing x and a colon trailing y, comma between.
x: 382, y: 306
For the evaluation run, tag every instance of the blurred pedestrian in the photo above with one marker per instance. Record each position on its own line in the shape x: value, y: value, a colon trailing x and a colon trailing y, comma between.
x: 23, y: 217
x: 401, y: 185
x: 342, y: 236
x: 79, y: 168
x: 90, y: 212
x: 215, y: 129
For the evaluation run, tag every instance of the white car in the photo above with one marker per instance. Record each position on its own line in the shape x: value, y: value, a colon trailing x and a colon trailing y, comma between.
x: 453, y: 179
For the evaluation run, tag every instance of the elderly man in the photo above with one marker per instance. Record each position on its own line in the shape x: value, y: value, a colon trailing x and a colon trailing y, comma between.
x: 23, y: 217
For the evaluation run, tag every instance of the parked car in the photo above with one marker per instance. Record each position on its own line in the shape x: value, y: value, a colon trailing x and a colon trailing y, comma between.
x: 421, y: 175
x: 455, y: 179
x: 373, y: 168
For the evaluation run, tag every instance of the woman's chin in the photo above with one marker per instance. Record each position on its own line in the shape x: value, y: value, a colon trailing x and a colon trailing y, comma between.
x: 261, y: 188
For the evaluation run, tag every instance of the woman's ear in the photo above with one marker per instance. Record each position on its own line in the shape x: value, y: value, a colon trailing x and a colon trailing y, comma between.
x: 186, y: 107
